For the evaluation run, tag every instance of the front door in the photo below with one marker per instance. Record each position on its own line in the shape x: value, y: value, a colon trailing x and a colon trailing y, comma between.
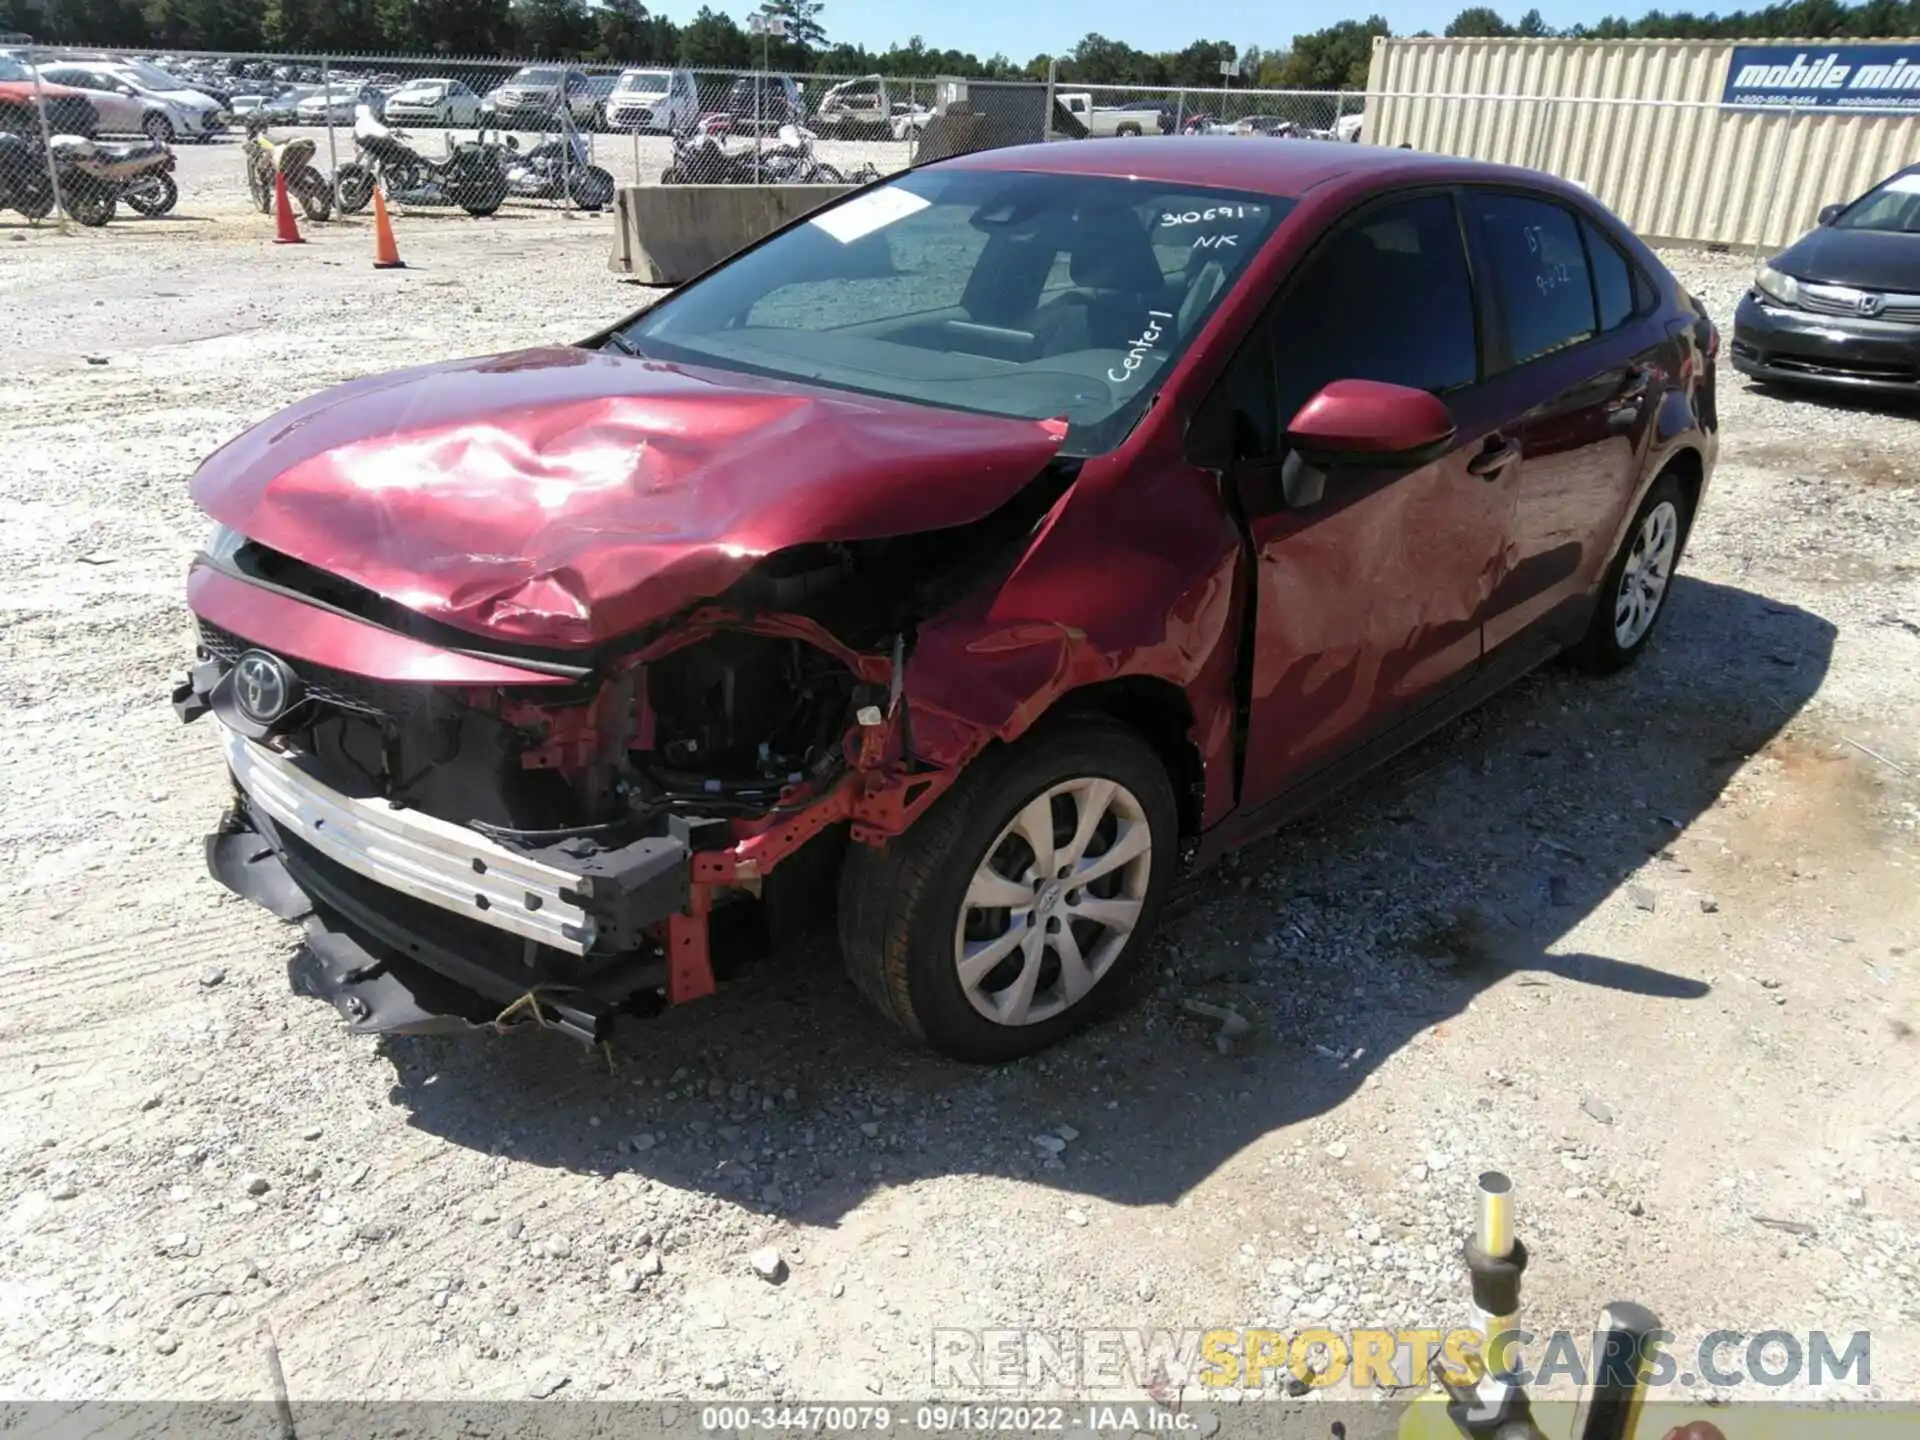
x: 1369, y: 604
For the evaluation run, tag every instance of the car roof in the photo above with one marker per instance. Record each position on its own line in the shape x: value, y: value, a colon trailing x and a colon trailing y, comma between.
x: 1288, y: 168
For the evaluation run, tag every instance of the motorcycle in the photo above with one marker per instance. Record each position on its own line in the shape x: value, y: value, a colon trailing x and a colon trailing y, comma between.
x: 263, y: 155
x: 473, y: 176
x: 558, y: 169
x: 94, y: 177
x: 25, y: 184
x: 709, y: 157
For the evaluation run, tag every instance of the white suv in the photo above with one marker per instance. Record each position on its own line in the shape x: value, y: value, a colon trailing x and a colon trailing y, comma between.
x: 662, y: 102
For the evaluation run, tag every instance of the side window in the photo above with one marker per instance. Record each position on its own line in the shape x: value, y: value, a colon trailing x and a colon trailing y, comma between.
x: 1387, y: 297
x: 1537, y: 270
x: 1613, y: 283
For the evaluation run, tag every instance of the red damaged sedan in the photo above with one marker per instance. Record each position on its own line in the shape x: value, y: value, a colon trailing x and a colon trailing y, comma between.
x: 988, y: 548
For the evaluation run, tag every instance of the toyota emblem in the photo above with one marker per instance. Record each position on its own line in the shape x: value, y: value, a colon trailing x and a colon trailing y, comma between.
x: 1871, y: 304
x: 263, y: 686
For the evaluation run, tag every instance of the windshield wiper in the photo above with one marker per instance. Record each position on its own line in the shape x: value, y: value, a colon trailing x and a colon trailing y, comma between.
x: 623, y: 345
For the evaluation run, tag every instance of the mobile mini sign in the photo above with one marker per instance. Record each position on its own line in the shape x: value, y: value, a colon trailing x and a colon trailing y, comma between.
x: 1872, y: 77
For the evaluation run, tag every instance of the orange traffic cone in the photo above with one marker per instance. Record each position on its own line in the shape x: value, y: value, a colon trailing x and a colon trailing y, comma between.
x: 386, y: 254
x: 285, y: 231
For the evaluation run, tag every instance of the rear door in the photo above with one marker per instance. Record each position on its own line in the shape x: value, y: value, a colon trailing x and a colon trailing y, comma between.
x: 1369, y: 603
x: 119, y: 114
x: 1570, y: 328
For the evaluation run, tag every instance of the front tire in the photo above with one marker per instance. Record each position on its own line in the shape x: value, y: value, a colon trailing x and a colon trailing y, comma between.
x: 1633, y: 593
x: 1013, y: 912
x: 355, y: 184
x: 159, y: 129
x: 310, y: 188
x: 155, y: 195
x: 590, y: 188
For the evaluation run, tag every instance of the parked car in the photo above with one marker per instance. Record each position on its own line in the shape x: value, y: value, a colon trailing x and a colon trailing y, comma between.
x: 658, y: 102
x: 69, y: 110
x: 440, y: 101
x: 868, y: 109
x: 284, y: 107
x: 1841, y: 305
x: 336, y: 104
x: 763, y: 103
x: 130, y: 105
x: 1159, y: 504
x: 530, y: 99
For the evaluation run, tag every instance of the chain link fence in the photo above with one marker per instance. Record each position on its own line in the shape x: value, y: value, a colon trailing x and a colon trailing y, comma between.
x: 90, y: 136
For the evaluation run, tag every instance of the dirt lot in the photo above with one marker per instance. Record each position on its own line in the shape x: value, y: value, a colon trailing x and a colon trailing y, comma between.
x: 1651, y: 944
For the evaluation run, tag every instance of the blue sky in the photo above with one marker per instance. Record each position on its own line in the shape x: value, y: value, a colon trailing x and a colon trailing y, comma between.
x: 1022, y: 29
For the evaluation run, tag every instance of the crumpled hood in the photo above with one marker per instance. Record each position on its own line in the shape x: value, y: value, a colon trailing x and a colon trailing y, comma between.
x: 564, y: 496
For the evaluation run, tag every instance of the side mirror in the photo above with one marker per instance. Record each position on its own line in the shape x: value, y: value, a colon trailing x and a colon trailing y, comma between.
x: 1358, y: 425
x: 1831, y: 213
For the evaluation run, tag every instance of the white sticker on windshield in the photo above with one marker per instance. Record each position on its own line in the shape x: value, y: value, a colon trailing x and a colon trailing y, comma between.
x: 867, y: 213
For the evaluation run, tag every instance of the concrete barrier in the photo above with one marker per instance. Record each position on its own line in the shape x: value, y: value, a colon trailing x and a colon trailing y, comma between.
x: 667, y: 234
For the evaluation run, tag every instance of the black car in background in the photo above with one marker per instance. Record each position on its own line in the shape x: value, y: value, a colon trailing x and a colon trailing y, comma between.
x: 763, y: 103
x: 1841, y: 305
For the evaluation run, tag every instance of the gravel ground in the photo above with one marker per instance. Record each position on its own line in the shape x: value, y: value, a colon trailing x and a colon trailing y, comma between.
x: 1648, y: 944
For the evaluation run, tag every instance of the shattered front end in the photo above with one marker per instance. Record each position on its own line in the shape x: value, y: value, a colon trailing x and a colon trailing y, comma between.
x: 475, y: 839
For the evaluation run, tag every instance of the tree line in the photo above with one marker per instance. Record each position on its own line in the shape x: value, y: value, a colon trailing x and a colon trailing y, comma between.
x: 624, y: 31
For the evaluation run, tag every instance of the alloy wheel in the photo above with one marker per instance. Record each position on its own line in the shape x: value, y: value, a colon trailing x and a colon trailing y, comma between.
x: 1054, y: 901
x: 1643, y: 580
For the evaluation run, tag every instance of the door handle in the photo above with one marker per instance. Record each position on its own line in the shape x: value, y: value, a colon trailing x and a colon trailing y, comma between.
x: 1639, y: 381
x: 1496, y: 457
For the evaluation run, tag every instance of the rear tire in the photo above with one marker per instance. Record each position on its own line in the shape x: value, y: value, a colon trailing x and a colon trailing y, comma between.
x: 915, y: 934
x: 89, y: 205
x: 153, y: 196
x: 1634, y: 592
x: 36, y: 205
x: 1128, y: 129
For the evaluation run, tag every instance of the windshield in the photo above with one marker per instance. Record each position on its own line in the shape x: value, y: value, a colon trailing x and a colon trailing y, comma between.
x: 1894, y: 206
x: 152, y: 76
x: 1027, y: 295
x: 430, y: 89
x: 12, y: 69
x: 647, y: 82
x: 536, y: 75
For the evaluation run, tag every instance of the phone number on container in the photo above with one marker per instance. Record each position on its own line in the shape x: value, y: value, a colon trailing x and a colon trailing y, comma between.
x: 990, y: 1419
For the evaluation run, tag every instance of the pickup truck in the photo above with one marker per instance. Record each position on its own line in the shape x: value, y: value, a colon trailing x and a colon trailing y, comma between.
x: 1108, y: 120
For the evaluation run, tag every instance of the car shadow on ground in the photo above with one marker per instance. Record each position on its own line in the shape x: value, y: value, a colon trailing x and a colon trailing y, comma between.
x: 1340, y: 941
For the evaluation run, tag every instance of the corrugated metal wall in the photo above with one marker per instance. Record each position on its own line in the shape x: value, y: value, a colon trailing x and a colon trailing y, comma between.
x: 1673, y: 171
